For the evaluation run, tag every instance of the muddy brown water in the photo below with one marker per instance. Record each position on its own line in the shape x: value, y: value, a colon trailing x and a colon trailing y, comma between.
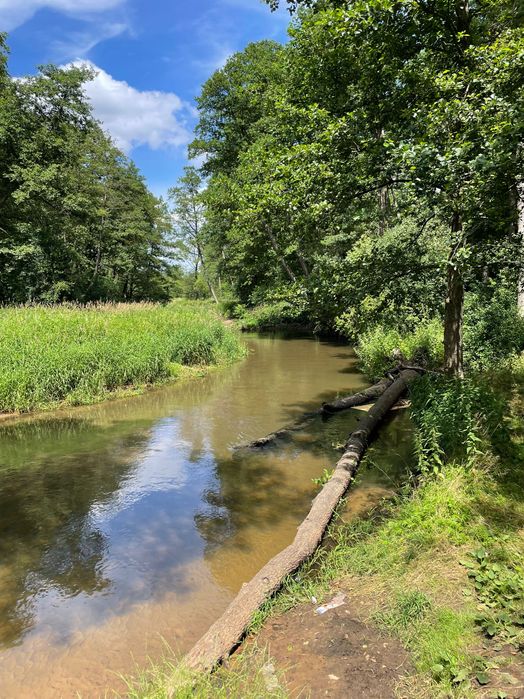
x: 127, y: 527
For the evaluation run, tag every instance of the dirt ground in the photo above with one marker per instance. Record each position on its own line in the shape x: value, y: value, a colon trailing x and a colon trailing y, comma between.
x: 338, y: 655
x: 334, y: 654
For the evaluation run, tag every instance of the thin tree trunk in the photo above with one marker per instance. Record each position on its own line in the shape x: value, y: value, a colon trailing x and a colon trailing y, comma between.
x: 520, y: 233
x: 383, y: 204
x: 360, y: 398
x: 204, y: 272
x: 454, y: 310
x: 284, y: 264
x: 303, y: 264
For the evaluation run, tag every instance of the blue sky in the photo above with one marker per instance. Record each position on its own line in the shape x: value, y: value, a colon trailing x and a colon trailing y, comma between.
x: 151, y: 58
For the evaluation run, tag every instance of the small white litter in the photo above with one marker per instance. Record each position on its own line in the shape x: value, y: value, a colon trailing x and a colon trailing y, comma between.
x: 337, y: 601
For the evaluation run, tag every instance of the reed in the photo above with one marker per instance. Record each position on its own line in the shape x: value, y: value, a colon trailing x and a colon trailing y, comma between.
x: 77, y: 355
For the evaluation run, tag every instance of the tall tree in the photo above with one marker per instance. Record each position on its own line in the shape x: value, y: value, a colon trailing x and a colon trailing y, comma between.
x: 189, y: 222
x: 78, y: 222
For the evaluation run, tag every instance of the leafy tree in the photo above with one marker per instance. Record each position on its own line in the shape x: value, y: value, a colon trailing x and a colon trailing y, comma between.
x: 382, y: 109
x: 78, y: 222
x: 189, y: 222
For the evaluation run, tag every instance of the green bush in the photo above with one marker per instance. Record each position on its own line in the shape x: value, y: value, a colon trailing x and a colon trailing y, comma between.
x: 271, y: 315
x: 493, y: 328
x: 66, y: 353
x: 422, y: 346
x: 455, y: 419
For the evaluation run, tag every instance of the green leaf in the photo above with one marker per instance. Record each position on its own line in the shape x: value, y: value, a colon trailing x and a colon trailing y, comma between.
x: 482, y: 678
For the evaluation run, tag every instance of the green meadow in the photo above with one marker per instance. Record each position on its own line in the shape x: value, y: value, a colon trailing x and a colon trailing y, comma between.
x: 77, y: 355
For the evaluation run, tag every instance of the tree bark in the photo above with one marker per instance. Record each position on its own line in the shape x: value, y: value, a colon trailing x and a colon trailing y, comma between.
x: 204, y: 272
x: 365, y: 396
x: 274, y: 245
x: 454, y: 310
x: 225, y: 633
x: 303, y: 264
x: 520, y: 233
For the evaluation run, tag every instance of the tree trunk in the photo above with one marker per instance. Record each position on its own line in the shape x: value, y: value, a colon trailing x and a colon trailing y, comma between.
x: 303, y: 264
x: 204, y: 272
x: 383, y: 204
x: 355, y: 399
x: 225, y: 633
x: 454, y: 310
x: 365, y: 396
x: 520, y: 233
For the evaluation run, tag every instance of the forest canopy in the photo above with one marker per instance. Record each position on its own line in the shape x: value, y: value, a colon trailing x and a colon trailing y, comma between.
x: 370, y: 170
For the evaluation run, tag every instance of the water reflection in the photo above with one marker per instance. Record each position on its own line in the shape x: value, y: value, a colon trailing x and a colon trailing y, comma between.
x: 131, y: 519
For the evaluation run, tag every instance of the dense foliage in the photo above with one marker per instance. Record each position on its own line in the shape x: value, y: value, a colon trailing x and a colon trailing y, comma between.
x: 79, y: 355
x: 78, y: 222
x: 370, y: 170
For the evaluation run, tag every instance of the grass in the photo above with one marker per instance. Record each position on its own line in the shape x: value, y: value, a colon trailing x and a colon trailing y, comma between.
x: 252, y: 677
x: 77, y: 355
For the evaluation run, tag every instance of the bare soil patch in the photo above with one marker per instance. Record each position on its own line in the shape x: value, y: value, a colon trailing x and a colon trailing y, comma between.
x: 335, y: 654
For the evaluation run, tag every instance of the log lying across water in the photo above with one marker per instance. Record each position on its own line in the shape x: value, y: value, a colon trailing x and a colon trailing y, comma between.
x: 225, y: 633
x: 366, y: 396
x: 280, y: 434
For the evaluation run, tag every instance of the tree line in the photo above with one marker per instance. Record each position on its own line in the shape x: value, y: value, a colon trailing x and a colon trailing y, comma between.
x: 78, y: 222
x: 371, y: 169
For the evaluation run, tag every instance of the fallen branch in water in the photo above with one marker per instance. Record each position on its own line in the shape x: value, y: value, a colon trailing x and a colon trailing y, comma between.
x: 368, y: 395
x: 361, y: 398
x: 225, y: 633
x: 279, y: 434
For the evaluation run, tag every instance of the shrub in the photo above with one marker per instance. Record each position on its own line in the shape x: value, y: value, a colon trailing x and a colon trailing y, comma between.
x: 455, y: 419
x: 422, y: 346
x: 271, y: 315
x: 493, y: 328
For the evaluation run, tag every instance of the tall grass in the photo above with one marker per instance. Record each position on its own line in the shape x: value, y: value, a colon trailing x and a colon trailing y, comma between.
x: 250, y: 675
x: 78, y: 355
x: 424, y: 346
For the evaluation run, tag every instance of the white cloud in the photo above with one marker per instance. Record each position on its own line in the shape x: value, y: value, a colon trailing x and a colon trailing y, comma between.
x: 133, y: 117
x: 78, y: 44
x: 13, y: 13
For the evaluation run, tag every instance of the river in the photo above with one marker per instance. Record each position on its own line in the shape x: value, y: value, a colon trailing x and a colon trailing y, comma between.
x: 127, y: 527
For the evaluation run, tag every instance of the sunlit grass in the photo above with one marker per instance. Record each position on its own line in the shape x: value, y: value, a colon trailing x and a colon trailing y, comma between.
x: 251, y: 675
x: 78, y: 355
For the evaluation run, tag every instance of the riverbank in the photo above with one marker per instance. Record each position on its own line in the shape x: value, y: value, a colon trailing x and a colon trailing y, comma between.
x: 71, y: 355
x: 438, y: 569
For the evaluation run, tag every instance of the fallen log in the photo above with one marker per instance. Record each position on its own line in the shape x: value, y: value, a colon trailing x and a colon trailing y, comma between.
x: 279, y: 434
x: 360, y: 398
x: 227, y: 631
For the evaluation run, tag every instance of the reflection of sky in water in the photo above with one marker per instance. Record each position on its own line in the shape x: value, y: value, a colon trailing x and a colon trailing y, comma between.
x: 162, y: 467
x: 147, y: 533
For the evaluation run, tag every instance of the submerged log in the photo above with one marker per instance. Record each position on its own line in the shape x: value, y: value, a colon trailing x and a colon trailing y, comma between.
x: 360, y: 398
x: 280, y: 434
x: 226, y: 633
